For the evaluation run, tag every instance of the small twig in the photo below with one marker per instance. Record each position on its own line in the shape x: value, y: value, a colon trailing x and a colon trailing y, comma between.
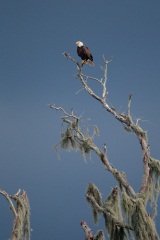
x: 80, y: 90
x: 92, y: 78
x: 102, y: 68
x: 106, y: 60
x: 137, y: 121
x: 105, y: 148
x: 60, y: 108
x: 129, y: 104
x: 105, y: 81
x: 18, y: 192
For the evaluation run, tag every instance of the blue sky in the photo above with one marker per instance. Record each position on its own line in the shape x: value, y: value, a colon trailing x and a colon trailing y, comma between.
x: 34, y: 73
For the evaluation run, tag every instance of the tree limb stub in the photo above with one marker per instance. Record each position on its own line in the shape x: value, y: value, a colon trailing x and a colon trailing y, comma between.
x: 21, y: 212
x: 89, y: 235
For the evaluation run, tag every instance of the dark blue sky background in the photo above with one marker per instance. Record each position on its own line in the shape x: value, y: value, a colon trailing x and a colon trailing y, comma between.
x: 34, y: 73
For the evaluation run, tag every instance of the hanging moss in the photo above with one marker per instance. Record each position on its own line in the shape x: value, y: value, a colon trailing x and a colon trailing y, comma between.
x: 65, y: 142
x: 74, y: 144
x: 26, y: 227
x: 95, y: 215
x: 150, y: 194
x: 22, y: 223
x: 128, y: 129
x: 21, y: 215
x: 82, y: 152
x: 115, y: 232
x: 109, y: 224
x: 96, y: 131
x: 155, y: 168
x: 113, y: 214
x: 113, y: 204
x: 130, y: 234
x: 122, y: 233
x: 155, y: 190
x: 86, y: 145
x: 144, y: 226
x: 128, y: 206
x: 94, y: 191
x: 74, y: 123
x: 135, y: 213
x: 68, y: 140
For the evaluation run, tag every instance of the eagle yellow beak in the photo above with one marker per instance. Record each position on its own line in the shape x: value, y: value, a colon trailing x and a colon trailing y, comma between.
x: 77, y: 43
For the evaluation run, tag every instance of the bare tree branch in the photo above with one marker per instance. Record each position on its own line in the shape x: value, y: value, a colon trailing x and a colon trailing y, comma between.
x: 129, y: 105
x: 79, y: 136
x: 105, y: 76
x: 60, y: 108
x: 93, y: 78
x: 134, y: 205
x: 8, y: 197
x: 126, y: 120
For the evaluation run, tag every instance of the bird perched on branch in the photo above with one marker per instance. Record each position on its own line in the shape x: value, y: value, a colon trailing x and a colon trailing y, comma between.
x: 84, y: 53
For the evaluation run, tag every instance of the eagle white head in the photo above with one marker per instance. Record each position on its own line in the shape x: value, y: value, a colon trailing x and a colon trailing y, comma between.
x: 79, y: 44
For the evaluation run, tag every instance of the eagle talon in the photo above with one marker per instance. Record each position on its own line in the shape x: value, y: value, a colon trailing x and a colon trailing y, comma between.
x: 83, y: 62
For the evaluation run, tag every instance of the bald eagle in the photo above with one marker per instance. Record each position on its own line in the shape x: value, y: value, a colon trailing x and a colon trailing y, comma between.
x: 84, y: 53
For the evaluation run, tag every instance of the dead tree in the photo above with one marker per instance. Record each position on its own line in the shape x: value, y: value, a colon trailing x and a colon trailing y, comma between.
x: 19, y: 205
x: 124, y: 211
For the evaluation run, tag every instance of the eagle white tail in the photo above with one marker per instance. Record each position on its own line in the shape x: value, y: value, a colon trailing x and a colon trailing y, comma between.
x: 90, y: 62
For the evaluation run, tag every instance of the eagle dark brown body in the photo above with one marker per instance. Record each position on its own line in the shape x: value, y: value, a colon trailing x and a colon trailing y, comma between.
x: 84, y: 53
